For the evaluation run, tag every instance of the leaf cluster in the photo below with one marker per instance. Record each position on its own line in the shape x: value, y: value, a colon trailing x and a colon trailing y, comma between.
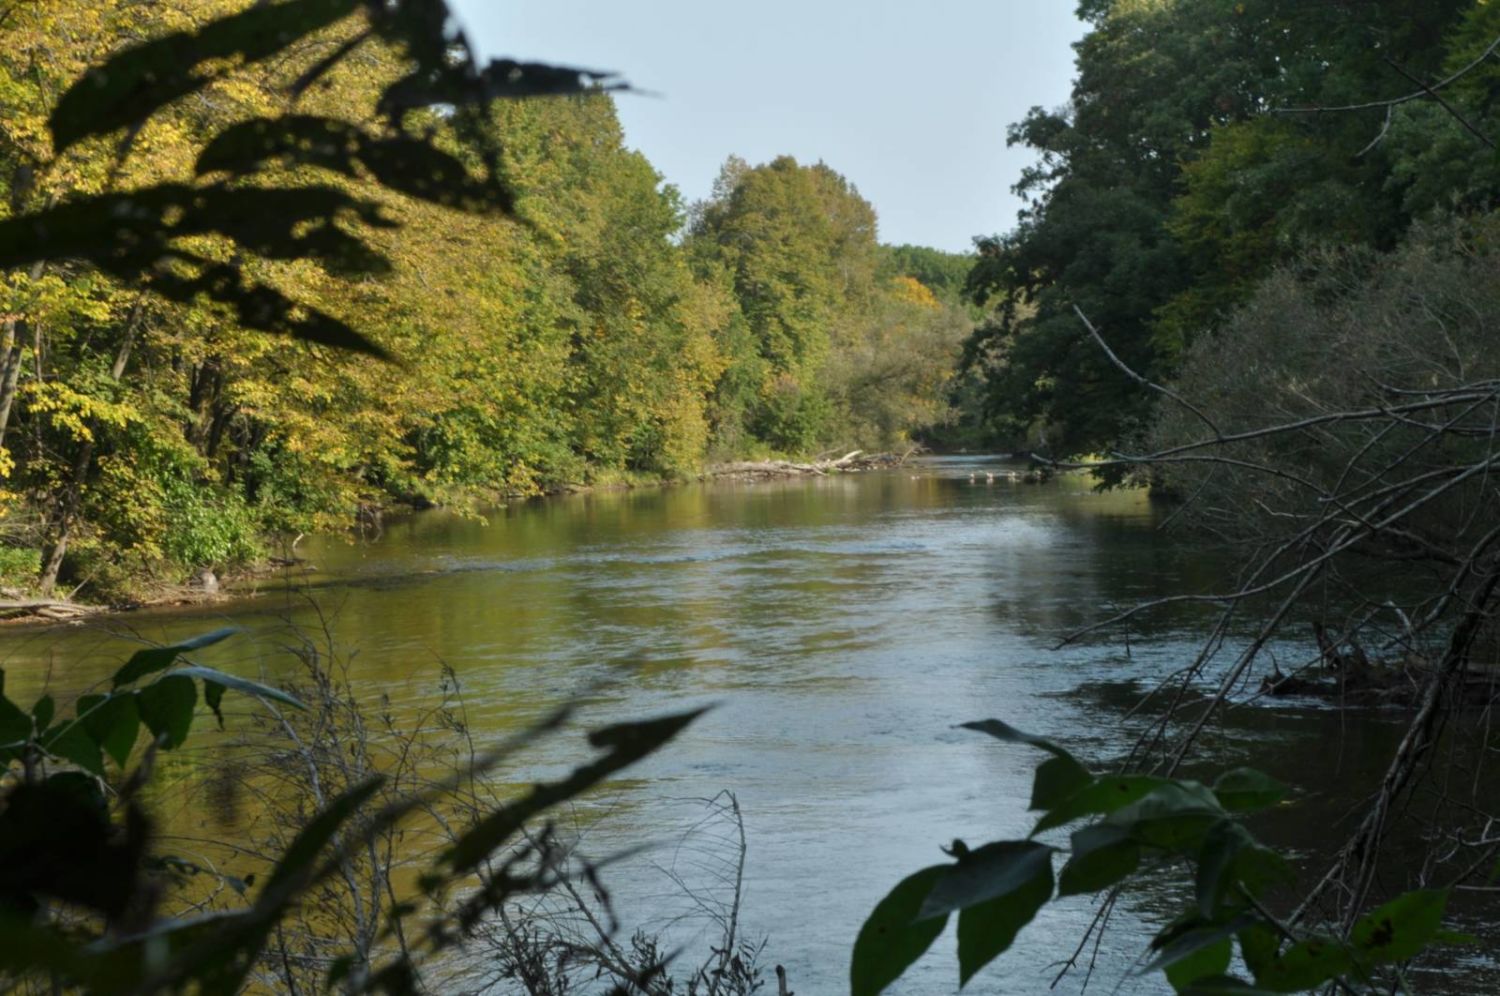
x: 1123, y: 824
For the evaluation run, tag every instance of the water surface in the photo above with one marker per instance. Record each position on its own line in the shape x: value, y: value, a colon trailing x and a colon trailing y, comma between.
x: 840, y: 627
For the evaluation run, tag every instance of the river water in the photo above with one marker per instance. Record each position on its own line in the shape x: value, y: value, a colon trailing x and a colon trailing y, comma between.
x: 839, y: 626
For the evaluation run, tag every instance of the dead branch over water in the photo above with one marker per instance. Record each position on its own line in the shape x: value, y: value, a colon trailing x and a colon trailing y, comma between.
x: 1375, y: 515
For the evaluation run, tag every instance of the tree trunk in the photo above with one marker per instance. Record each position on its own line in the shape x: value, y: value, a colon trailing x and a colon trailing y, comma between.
x: 64, y: 520
x: 66, y: 517
x: 10, y: 358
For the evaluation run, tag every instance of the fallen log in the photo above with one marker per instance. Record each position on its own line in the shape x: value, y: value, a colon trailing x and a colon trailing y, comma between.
x: 855, y: 460
x: 44, y: 608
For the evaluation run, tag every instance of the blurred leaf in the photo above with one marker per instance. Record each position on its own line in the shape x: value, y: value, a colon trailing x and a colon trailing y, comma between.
x: 15, y: 726
x: 1102, y: 856
x: 1200, y: 947
x: 27, y: 946
x: 113, y: 721
x: 429, y: 86
x: 1305, y: 965
x: 1223, y: 985
x: 71, y: 741
x: 1259, y: 945
x: 986, y: 873
x: 264, y: 308
x: 626, y: 743
x: 167, y: 707
x: 213, y: 697
x: 58, y: 843
x: 892, y: 938
x: 83, y: 787
x: 130, y: 233
x: 1215, y: 862
x: 41, y: 712
x: 400, y: 163
x: 1001, y: 730
x: 242, y: 685
x: 1401, y: 928
x: 144, y: 662
x: 1056, y: 779
x: 1245, y: 789
x: 1174, y: 816
x: 1101, y: 796
x: 987, y: 930
x: 134, y: 84
x: 313, y: 838
x: 1210, y: 960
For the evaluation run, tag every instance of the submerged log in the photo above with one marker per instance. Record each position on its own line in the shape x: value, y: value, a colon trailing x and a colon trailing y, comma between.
x: 1401, y: 685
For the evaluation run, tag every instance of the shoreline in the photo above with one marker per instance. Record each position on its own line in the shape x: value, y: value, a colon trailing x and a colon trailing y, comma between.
x: 24, y: 611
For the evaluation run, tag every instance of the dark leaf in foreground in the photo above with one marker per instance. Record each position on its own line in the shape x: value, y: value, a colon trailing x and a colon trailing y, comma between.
x: 892, y: 938
x: 133, y: 85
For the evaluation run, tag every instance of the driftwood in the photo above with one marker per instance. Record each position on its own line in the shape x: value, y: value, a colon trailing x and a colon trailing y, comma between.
x: 42, y: 608
x: 1362, y: 683
x: 852, y: 462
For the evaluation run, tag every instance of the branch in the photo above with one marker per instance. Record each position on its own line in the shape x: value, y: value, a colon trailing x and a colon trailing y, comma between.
x: 1142, y: 380
x: 1426, y: 91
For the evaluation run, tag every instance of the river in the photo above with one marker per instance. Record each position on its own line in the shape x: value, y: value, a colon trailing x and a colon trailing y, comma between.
x: 839, y: 626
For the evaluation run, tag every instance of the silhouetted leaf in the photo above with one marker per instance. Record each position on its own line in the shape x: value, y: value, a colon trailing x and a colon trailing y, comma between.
x: 264, y: 308
x: 626, y: 743
x: 113, y: 721
x: 1230, y: 856
x: 144, y: 662
x: 1223, y: 985
x: 242, y: 685
x: 1201, y: 947
x: 1245, y: 789
x: 71, y: 741
x: 310, y: 841
x: 57, y: 843
x: 1056, y: 779
x: 1206, y: 962
x: 1172, y: 816
x: 987, y: 872
x: 892, y: 937
x: 1102, y: 856
x: 429, y: 86
x: 1259, y: 945
x: 42, y: 710
x: 988, y: 929
x: 166, y: 707
x: 1101, y: 796
x: 401, y: 163
x: 1401, y: 928
x: 1305, y: 965
x: 134, y: 84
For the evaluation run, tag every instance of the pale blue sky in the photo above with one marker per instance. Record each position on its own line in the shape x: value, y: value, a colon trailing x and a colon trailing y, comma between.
x: 910, y: 101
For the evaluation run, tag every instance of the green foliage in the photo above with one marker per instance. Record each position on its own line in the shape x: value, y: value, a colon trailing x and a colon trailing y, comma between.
x: 522, y: 263
x: 1179, y: 176
x: 18, y: 566
x: 1129, y: 822
x: 835, y: 341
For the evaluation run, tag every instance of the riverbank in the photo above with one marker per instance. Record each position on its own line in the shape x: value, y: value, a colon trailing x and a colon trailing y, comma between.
x: 224, y: 584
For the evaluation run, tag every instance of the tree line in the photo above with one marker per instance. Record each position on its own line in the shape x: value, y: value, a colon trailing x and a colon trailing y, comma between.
x: 596, y: 330
x: 1208, y: 146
